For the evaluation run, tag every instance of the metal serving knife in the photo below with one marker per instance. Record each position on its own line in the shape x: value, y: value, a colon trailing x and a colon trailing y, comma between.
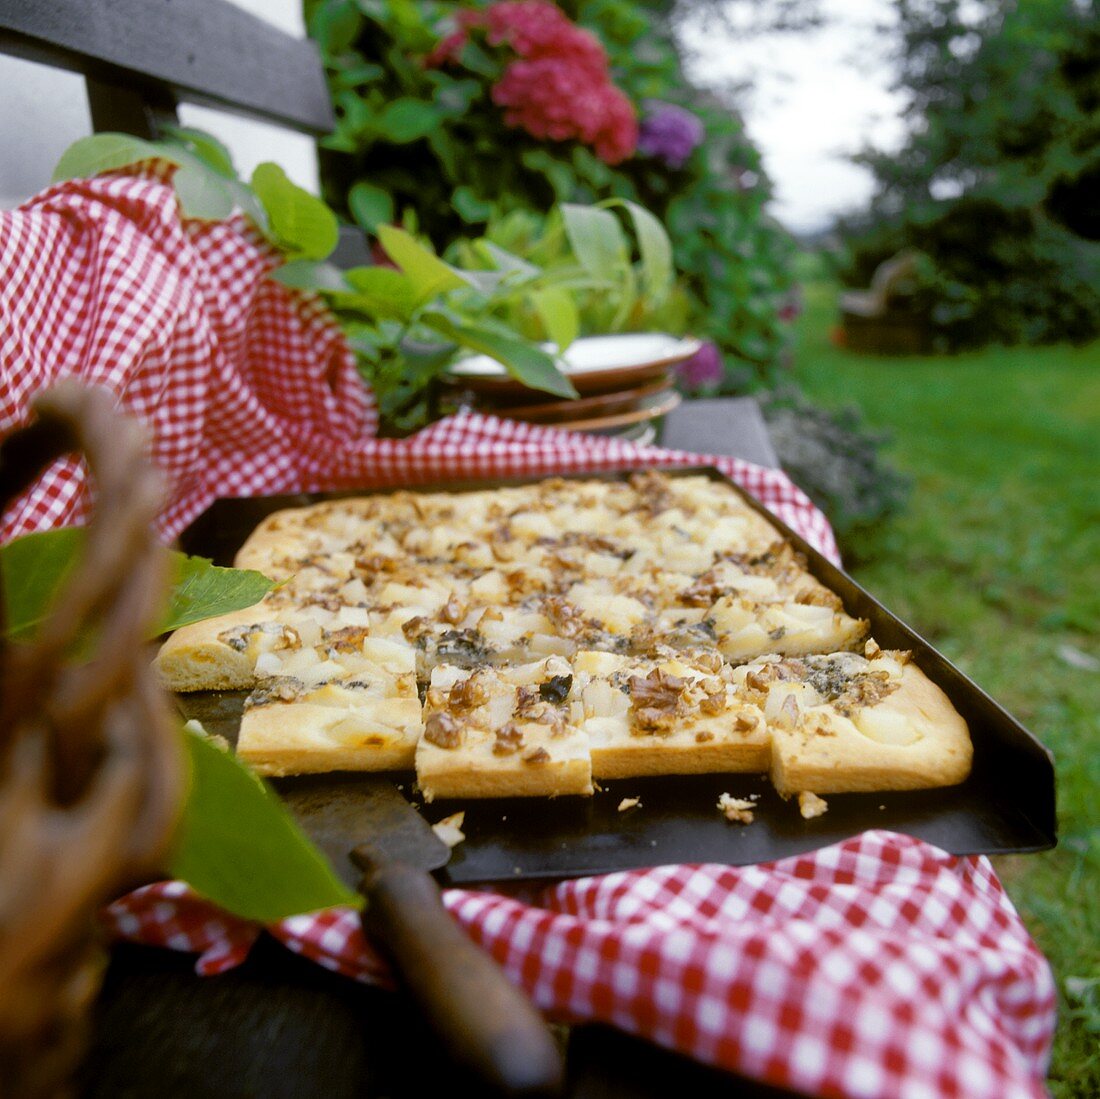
x: 487, y: 1024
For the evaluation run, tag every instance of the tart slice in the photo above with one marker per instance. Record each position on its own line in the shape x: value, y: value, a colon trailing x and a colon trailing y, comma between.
x: 846, y: 723
x: 502, y: 732
x: 347, y: 704
x: 676, y: 715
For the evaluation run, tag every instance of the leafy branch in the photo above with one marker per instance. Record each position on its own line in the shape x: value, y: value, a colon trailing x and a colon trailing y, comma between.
x: 409, y: 319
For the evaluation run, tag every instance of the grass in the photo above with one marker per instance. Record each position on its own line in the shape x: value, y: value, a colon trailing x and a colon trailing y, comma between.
x: 996, y: 560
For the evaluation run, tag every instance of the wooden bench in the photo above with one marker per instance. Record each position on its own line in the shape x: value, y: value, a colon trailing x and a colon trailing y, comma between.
x: 881, y: 320
x: 279, y: 1026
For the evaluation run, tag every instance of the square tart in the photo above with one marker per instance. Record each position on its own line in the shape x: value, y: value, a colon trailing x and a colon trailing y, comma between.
x: 677, y: 714
x: 844, y: 723
x: 349, y: 703
x: 502, y: 732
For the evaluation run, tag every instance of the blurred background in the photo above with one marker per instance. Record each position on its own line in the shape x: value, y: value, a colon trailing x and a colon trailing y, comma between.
x: 886, y: 225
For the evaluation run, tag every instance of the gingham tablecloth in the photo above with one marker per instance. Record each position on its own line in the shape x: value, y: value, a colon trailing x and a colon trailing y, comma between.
x: 878, y: 967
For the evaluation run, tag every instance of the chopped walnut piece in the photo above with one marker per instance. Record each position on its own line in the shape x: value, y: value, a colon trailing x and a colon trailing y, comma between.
x: 657, y: 689
x: 810, y: 805
x: 415, y: 628
x: 744, y: 722
x: 346, y: 640
x: 819, y: 597
x: 566, y: 617
x: 467, y: 694
x: 443, y: 731
x: 738, y: 810
x: 539, y: 755
x: 453, y: 611
x: 509, y: 739
x: 704, y: 736
x: 629, y: 803
x: 871, y: 649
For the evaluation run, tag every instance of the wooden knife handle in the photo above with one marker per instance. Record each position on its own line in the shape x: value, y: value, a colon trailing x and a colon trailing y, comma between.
x: 486, y: 1022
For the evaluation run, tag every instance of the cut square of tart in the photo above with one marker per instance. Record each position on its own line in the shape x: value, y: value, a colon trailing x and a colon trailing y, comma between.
x: 502, y: 732
x: 758, y: 604
x: 349, y: 703
x: 221, y: 653
x: 676, y: 714
x: 847, y: 722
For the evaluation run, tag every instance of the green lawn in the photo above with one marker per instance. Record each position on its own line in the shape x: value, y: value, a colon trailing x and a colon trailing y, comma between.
x: 996, y: 560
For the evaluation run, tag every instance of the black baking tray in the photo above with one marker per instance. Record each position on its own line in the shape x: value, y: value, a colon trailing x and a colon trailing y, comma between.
x: 1007, y: 805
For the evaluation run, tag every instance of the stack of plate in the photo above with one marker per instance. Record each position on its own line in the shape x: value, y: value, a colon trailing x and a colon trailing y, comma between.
x: 625, y: 385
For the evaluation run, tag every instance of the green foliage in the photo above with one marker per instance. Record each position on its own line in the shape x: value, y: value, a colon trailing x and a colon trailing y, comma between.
x: 996, y: 560
x: 301, y: 224
x: 998, y: 180
x: 460, y: 168
x: 35, y: 567
x: 406, y: 325
x: 239, y: 847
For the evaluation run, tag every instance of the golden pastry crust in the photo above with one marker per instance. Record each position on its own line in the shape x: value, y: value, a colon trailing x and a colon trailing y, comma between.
x: 842, y: 724
x: 508, y: 732
x: 670, y: 582
x: 666, y: 717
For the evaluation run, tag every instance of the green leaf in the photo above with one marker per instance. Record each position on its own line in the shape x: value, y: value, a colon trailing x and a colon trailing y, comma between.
x: 381, y: 292
x: 238, y: 846
x: 205, y: 146
x: 407, y: 119
x: 202, y: 192
x: 597, y: 240
x: 201, y: 589
x: 469, y: 207
x: 303, y: 224
x: 429, y: 275
x: 529, y: 364
x: 370, y: 205
x: 655, y: 249
x: 307, y: 274
x: 558, y: 314
x: 89, y: 156
x: 34, y: 568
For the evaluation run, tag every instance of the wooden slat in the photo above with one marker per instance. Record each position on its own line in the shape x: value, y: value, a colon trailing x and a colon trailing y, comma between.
x: 201, y: 51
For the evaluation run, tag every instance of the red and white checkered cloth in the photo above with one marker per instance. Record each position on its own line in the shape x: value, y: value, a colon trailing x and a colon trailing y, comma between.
x: 881, y: 966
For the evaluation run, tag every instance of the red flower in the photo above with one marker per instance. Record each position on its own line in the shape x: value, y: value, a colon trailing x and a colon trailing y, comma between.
x: 559, y: 87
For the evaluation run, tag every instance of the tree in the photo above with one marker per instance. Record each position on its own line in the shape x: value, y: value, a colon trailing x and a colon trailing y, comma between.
x: 997, y: 179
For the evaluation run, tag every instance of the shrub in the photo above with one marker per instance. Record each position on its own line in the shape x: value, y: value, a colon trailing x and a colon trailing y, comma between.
x: 837, y: 462
x: 439, y: 111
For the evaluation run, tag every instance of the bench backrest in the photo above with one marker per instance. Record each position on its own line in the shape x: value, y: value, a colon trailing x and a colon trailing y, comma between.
x: 140, y: 58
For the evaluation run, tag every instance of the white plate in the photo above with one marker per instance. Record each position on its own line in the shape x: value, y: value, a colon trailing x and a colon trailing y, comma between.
x: 598, y: 354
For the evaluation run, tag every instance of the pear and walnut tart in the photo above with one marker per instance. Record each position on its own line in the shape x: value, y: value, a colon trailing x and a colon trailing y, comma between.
x: 674, y: 715
x: 349, y: 703
x: 502, y: 732
x: 843, y: 723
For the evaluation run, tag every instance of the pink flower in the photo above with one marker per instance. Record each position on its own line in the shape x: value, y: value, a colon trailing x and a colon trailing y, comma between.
x: 559, y: 86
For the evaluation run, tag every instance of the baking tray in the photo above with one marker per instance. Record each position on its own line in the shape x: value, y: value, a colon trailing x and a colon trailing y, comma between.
x: 1007, y: 805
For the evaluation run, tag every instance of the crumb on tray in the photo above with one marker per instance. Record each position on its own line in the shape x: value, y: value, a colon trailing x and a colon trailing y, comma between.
x: 810, y: 805
x: 449, y: 829
x: 736, y: 809
x: 629, y: 803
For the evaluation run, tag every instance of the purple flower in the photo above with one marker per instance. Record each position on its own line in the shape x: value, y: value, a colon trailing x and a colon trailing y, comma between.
x: 703, y: 368
x: 669, y: 133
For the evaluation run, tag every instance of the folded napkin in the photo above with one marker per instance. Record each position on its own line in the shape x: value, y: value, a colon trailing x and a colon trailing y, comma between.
x: 881, y: 966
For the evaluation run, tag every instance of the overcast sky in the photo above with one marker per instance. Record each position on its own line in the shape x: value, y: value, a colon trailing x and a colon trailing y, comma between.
x: 818, y: 95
